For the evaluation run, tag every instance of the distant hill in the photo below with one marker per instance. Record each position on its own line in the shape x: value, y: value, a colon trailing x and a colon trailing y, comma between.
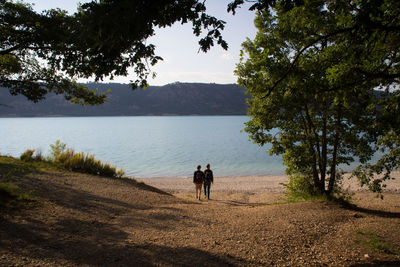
x: 170, y: 99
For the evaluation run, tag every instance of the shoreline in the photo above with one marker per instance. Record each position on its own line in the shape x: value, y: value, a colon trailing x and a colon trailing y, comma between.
x: 222, y: 184
x: 254, y: 184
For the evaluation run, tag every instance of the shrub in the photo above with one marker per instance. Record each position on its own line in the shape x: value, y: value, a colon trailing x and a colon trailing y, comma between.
x: 86, y: 163
x: 57, y: 149
x: 301, y: 187
x: 27, y: 155
x: 39, y: 155
x: 120, y: 173
x: 81, y: 162
x: 108, y: 170
x: 32, y: 155
x: 64, y: 156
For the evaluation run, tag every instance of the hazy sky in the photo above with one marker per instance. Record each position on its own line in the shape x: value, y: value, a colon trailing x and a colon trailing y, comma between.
x: 179, y: 47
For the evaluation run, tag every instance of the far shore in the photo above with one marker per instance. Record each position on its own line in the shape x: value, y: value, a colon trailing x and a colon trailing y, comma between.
x: 254, y: 184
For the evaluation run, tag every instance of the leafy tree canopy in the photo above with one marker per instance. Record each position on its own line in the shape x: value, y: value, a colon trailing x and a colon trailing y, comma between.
x: 45, y: 52
x: 312, y: 70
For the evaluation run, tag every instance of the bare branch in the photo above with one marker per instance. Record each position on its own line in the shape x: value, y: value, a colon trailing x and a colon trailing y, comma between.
x: 9, y: 50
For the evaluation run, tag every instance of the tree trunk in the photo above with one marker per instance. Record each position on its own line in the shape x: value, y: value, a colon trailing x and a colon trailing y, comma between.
x: 332, y: 178
x: 316, y: 152
x: 323, y: 152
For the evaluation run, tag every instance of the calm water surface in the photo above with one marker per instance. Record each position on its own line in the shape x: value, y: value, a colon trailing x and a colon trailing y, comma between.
x: 147, y: 146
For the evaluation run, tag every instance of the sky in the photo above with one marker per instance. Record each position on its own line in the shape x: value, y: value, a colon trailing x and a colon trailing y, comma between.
x: 179, y: 47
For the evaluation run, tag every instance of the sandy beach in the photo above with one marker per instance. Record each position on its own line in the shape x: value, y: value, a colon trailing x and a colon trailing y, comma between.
x: 254, y: 184
x: 253, y: 189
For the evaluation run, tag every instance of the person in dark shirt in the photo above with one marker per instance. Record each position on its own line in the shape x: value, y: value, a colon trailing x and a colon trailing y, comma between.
x: 208, y: 180
x: 198, y: 178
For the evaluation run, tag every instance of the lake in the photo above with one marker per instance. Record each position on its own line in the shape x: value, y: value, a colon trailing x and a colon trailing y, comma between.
x: 148, y: 146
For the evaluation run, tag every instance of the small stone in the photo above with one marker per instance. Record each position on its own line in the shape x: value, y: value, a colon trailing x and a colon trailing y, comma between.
x: 366, y: 256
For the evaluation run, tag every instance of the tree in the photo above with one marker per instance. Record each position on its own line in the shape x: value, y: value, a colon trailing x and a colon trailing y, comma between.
x: 371, y: 30
x: 28, y: 39
x: 388, y: 143
x: 46, y: 52
x: 312, y: 80
x: 42, y: 53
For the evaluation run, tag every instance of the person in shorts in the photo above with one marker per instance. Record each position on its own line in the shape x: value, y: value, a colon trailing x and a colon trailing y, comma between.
x: 208, y: 180
x: 198, y: 178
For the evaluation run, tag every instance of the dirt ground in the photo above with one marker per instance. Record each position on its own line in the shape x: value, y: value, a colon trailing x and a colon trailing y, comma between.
x: 81, y: 220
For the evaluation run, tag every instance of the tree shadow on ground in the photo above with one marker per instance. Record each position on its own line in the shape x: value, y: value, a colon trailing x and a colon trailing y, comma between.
x: 13, y: 170
x: 379, y: 213
x: 156, y: 255
x: 235, y: 203
x: 75, y: 199
x: 98, y: 244
x: 80, y: 227
x: 378, y: 263
x: 58, y: 191
x: 143, y: 186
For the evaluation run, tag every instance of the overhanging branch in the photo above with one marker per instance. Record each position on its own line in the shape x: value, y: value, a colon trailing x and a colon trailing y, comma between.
x: 9, y: 50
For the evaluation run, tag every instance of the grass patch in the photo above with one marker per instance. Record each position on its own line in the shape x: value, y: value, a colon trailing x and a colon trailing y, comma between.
x: 317, y: 198
x: 294, y: 197
x: 12, y: 197
x: 189, y: 196
x: 12, y: 167
x: 373, y: 241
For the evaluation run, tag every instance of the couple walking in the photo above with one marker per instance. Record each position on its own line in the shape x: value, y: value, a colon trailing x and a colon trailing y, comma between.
x: 203, y: 178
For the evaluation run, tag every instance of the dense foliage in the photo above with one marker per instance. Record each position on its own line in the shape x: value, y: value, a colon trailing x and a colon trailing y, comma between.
x: 312, y: 70
x: 45, y: 52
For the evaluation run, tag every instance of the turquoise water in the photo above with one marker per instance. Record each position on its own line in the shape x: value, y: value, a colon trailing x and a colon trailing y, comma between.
x: 147, y: 146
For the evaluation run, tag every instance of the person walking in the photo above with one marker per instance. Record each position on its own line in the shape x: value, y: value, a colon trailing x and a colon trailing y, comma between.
x: 208, y: 180
x: 198, y: 178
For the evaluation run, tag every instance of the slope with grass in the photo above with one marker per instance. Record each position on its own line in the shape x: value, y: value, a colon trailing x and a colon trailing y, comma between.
x: 82, y: 220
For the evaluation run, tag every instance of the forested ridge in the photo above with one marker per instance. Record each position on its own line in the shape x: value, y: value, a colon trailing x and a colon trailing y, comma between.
x: 171, y: 99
